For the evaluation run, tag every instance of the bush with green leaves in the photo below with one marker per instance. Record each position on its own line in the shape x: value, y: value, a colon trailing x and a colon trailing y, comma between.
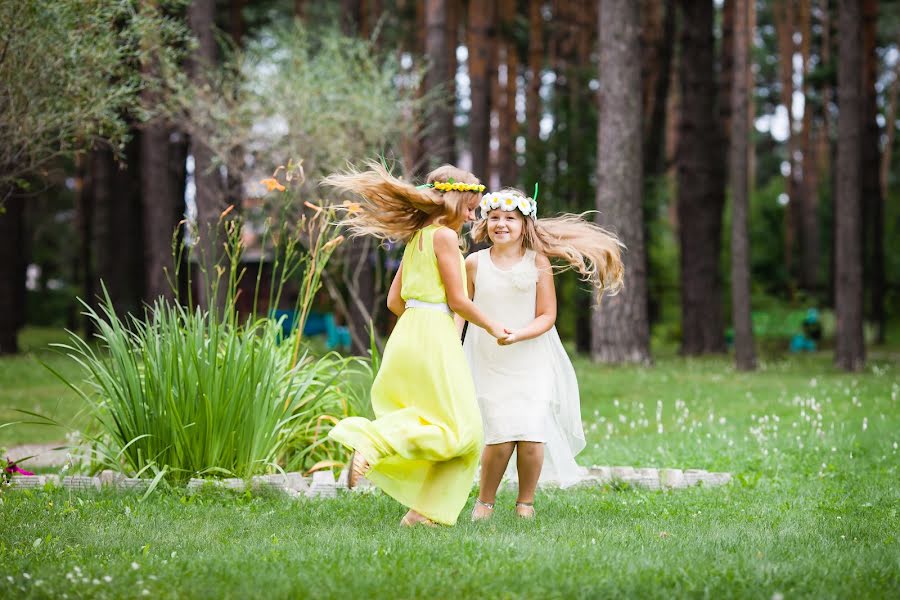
x: 181, y: 392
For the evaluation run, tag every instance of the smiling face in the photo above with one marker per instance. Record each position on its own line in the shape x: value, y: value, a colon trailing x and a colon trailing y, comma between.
x: 505, y: 227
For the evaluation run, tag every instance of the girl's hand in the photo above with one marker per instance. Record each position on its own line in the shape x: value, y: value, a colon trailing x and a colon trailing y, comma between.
x: 497, y: 331
x: 511, y: 337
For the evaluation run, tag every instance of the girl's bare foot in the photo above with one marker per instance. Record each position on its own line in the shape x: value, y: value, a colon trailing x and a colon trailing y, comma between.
x: 482, y: 511
x: 412, y: 518
x: 358, y: 468
x: 525, y: 509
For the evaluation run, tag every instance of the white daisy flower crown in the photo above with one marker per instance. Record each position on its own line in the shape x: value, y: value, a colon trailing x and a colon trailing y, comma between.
x: 509, y: 201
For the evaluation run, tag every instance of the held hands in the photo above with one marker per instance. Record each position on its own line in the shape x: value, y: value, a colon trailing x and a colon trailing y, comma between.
x: 511, y: 337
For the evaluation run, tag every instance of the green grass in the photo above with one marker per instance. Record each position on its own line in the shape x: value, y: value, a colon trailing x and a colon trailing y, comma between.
x: 813, y: 510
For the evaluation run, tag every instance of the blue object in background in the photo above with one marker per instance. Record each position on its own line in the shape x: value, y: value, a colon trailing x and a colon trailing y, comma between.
x: 317, y: 323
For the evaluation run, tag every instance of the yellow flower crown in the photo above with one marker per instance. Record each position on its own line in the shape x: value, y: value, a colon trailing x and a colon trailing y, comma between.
x: 455, y: 186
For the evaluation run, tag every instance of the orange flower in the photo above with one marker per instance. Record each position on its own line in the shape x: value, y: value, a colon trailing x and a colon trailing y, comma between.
x: 272, y: 184
x: 352, y: 207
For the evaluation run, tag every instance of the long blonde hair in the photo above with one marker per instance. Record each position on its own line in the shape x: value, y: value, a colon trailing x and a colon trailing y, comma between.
x: 579, y: 243
x: 395, y: 209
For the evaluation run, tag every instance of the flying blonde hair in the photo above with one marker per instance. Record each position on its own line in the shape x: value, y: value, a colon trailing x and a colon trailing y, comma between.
x: 395, y: 209
x: 581, y: 244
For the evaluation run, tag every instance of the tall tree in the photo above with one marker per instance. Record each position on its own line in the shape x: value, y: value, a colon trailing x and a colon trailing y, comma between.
x: 12, y: 270
x: 873, y: 202
x: 620, y: 328
x: 209, y: 186
x: 507, y: 123
x: 480, y: 34
x: 701, y: 174
x: 848, y: 293
x: 438, y: 148
x: 745, y: 355
x: 657, y: 46
x: 809, y: 185
x: 535, y: 66
x: 784, y: 17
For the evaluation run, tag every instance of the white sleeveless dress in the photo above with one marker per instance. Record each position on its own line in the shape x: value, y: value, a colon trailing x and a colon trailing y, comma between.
x: 526, y: 391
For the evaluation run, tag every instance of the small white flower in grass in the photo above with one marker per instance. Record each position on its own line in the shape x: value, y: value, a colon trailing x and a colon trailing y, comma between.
x: 95, y: 581
x: 777, y: 596
x: 865, y: 423
x: 145, y: 592
x: 77, y: 569
x: 135, y: 566
x: 10, y: 579
x: 26, y: 575
x: 107, y: 578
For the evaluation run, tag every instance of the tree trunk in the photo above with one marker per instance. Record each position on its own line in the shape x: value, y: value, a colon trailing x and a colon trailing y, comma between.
x: 809, y: 192
x: 507, y: 123
x: 84, y: 223
x: 535, y: 66
x: 783, y: 14
x: 480, y: 37
x: 848, y: 293
x: 873, y: 203
x: 726, y: 70
x: 620, y: 326
x: 438, y: 148
x: 12, y: 270
x: 210, y: 189
x: 656, y: 67
x: 454, y: 13
x: 701, y: 170
x: 744, y: 353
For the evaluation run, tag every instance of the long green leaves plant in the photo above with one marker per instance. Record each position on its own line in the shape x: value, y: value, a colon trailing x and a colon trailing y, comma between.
x: 187, y: 392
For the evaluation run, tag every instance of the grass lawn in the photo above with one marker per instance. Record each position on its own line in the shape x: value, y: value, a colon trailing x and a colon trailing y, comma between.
x: 813, y: 510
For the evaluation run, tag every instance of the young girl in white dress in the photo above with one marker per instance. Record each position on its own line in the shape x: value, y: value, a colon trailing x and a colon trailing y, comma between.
x: 525, y: 383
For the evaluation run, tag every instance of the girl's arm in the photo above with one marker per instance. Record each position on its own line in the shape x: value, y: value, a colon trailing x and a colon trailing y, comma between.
x: 471, y: 271
x: 395, y: 303
x: 545, y: 306
x: 446, y: 249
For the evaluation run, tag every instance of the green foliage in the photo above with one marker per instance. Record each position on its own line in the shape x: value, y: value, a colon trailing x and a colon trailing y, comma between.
x: 298, y: 92
x: 71, y: 73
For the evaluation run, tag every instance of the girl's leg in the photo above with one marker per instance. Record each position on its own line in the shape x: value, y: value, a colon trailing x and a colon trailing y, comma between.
x: 529, y: 463
x: 494, y: 459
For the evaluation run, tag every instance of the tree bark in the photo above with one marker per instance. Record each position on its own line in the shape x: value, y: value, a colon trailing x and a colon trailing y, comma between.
x: 701, y: 194
x: 480, y: 37
x: 783, y: 13
x: 620, y: 326
x: 507, y: 122
x: 438, y: 148
x: 744, y: 353
x: 12, y: 270
x: 656, y: 60
x: 726, y: 70
x: 808, y: 192
x: 535, y: 66
x: 210, y: 188
x: 849, y: 345
x: 873, y: 202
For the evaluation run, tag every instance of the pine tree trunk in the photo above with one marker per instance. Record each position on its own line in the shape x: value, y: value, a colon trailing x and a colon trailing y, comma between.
x: 783, y: 13
x: 438, y: 148
x: 210, y: 188
x: 701, y: 194
x: 873, y: 203
x: 657, y: 49
x: 848, y: 293
x: 620, y: 326
x: 454, y: 13
x: 726, y: 70
x: 507, y: 124
x: 535, y: 66
x: 480, y: 37
x: 744, y: 353
x: 808, y: 192
x: 12, y: 270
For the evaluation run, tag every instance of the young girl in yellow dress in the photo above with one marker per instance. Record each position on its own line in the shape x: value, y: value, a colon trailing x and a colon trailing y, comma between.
x: 526, y: 385
x: 422, y: 448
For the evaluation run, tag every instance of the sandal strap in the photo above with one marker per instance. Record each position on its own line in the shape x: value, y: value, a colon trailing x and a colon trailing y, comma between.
x: 525, y: 504
x: 489, y: 505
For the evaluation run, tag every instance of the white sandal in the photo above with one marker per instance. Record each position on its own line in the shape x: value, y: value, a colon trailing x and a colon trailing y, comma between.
x: 487, y: 505
x: 527, y: 505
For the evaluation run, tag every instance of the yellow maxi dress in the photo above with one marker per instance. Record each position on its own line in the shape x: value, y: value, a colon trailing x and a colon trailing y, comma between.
x: 424, y: 444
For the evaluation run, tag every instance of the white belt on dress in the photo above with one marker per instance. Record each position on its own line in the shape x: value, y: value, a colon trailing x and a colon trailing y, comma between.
x: 438, y: 306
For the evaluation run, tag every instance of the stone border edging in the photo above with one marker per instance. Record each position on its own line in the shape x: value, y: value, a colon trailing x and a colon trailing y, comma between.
x: 322, y: 484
